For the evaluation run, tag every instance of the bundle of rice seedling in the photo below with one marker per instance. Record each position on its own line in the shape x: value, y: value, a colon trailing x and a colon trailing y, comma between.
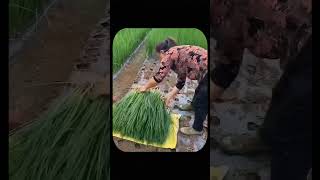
x: 70, y: 141
x: 142, y: 116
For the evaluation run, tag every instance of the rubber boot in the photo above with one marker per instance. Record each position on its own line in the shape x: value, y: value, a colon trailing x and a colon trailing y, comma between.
x: 190, y: 131
x: 185, y: 107
x: 218, y: 173
x: 242, y: 145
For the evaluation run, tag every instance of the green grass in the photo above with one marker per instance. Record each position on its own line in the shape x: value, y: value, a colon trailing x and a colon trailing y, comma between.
x: 22, y: 14
x: 183, y: 36
x: 70, y: 141
x: 142, y: 116
x: 124, y: 44
x: 127, y: 40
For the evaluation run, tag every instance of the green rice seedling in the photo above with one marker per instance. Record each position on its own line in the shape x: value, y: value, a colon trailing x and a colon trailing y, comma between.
x: 183, y: 36
x: 69, y: 141
x: 142, y: 116
x: 124, y: 44
x: 22, y: 13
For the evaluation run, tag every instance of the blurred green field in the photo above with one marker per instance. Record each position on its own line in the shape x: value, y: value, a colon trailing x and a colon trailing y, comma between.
x: 124, y: 44
x: 183, y: 36
x: 22, y: 14
x: 127, y: 40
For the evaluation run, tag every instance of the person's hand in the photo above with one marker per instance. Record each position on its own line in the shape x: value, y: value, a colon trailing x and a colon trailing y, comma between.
x: 114, y: 98
x: 142, y: 89
x: 215, y: 92
x: 168, y: 99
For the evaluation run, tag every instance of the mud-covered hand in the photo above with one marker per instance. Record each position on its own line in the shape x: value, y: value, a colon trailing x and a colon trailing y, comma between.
x: 150, y: 84
x: 171, y: 95
x: 142, y: 89
x: 168, y: 99
x: 216, y: 93
x: 114, y: 98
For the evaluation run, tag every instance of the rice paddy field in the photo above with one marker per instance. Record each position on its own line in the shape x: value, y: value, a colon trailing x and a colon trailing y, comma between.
x: 127, y: 40
x: 141, y: 65
x: 182, y: 36
x: 124, y: 44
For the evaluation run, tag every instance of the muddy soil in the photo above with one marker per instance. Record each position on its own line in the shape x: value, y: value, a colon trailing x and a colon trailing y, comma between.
x: 127, y: 74
x: 137, y: 73
x: 49, y: 57
x: 253, y: 89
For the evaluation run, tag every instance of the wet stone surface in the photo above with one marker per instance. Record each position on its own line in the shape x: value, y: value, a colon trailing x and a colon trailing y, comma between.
x: 252, y: 89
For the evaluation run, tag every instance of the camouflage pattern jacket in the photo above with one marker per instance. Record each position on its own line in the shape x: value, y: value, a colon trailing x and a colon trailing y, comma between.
x: 272, y: 29
x: 187, y: 61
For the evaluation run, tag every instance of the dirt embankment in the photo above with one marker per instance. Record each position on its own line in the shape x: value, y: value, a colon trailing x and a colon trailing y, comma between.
x: 128, y: 74
x: 49, y: 57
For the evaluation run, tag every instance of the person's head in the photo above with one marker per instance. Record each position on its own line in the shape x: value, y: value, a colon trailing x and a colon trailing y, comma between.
x: 164, y: 46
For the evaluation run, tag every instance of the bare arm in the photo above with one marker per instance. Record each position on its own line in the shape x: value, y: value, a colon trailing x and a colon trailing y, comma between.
x: 171, y: 94
x: 160, y: 75
x: 215, y: 91
x: 227, y: 61
x: 150, y: 84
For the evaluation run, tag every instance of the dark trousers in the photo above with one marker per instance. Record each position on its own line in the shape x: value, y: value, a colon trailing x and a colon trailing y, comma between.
x: 288, y: 123
x: 200, y: 103
x: 291, y: 162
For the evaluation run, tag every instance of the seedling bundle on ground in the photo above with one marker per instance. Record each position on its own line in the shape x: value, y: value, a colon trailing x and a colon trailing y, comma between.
x: 70, y: 141
x: 142, y: 116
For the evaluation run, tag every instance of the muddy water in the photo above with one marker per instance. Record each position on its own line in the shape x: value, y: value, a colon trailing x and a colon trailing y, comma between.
x: 253, y: 89
x: 49, y: 56
x: 137, y: 73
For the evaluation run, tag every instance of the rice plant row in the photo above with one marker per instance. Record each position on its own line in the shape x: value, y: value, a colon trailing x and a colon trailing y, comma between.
x: 182, y: 36
x: 142, y: 116
x: 127, y: 40
x: 124, y: 44
x: 70, y: 141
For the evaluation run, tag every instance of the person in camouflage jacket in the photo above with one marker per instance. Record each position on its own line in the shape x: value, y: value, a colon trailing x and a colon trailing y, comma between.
x: 273, y: 29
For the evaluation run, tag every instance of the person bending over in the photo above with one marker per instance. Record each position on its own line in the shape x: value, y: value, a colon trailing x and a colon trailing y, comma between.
x: 188, y: 62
